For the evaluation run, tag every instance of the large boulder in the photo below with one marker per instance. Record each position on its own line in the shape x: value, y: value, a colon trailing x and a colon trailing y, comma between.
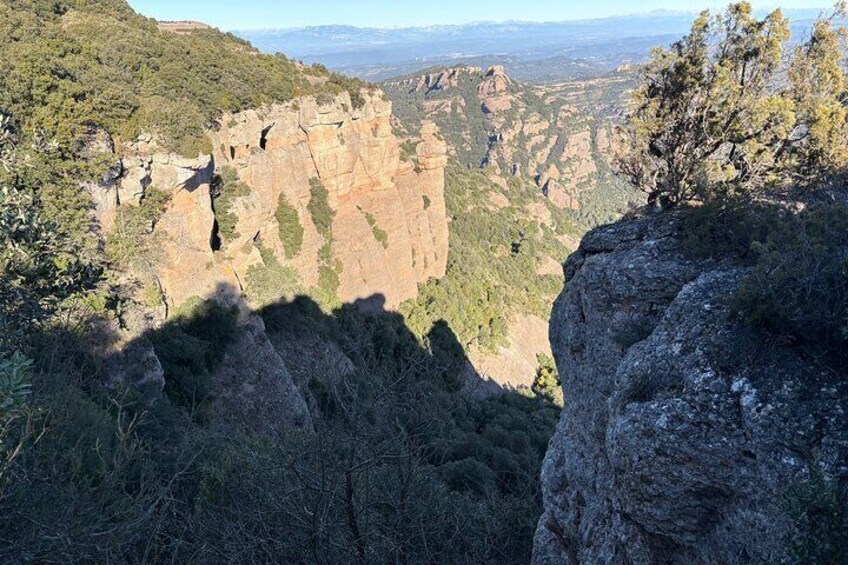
x: 687, y: 437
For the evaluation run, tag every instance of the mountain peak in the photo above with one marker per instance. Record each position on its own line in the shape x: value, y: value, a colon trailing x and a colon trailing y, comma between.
x: 496, y: 82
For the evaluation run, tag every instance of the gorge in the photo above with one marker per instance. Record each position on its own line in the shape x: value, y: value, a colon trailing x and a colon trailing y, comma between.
x: 257, y: 311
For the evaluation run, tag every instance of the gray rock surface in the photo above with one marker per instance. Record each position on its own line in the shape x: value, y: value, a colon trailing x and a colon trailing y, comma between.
x: 686, y: 435
x: 253, y: 388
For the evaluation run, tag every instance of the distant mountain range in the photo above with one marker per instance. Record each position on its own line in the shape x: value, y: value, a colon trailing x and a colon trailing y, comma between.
x: 543, y: 52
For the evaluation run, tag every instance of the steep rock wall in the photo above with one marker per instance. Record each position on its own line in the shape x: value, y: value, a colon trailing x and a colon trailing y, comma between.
x: 686, y: 437
x: 388, y: 232
x: 389, y: 227
x: 354, y: 155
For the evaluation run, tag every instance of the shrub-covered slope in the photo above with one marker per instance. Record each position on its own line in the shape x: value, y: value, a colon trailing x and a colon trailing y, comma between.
x: 559, y: 139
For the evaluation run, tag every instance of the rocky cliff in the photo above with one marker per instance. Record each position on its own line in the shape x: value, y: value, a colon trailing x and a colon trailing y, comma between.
x: 385, y: 229
x: 686, y: 436
x: 559, y: 139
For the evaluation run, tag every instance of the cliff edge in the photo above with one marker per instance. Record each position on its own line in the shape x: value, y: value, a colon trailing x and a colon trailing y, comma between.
x: 687, y: 437
x: 317, y: 199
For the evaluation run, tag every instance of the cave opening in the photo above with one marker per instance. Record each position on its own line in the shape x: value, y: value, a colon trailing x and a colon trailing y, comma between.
x: 263, y: 138
x: 215, y: 238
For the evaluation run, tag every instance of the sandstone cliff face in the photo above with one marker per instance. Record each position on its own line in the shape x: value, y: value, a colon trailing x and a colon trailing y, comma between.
x: 283, y: 150
x: 389, y: 227
x: 388, y: 233
x: 685, y: 437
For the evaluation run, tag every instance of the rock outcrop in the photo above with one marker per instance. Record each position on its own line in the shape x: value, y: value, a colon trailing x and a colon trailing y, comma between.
x: 686, y: 436
x: 383, y: 232
x: 560, y: 137
x: 253, y: 387
x: 388, y: 229
x: 283, y: 151
x: 437, y: 81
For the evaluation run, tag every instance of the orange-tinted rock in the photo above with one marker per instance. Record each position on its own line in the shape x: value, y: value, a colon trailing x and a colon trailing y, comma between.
x: 495, y: 82
x: 389, y: 231
x: 514, y: 365
x: 355, y: 155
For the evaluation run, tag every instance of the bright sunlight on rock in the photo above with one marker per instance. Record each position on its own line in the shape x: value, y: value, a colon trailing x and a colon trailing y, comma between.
x: 470, y: 282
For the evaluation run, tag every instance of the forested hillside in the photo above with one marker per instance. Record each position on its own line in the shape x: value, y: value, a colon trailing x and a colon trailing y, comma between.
x: 164, y: 395
x: 558, y: 139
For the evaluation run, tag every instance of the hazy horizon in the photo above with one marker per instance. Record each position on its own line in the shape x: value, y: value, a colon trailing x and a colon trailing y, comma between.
x: 260, y: 15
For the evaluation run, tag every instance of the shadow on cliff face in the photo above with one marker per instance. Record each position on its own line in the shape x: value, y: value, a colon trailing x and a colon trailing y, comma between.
x: 283, y: 435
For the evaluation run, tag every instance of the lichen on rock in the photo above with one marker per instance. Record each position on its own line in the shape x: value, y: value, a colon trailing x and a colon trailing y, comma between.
x: 685, y: 433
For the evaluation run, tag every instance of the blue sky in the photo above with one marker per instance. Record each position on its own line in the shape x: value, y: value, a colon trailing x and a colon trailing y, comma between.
x: 254, y: 14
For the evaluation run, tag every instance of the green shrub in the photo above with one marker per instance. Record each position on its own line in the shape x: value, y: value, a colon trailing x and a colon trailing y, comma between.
x: 547, y: 384
x: 132, y: 243
x: 189, y: 347
x: 46, y: 258
x: 798, y: 288
x: 818, y: 516
x: 409, y: 150
x: 469, y: 475
x: 338, y: 83
x: 270, y: 281
x: 226, y: 190
x: 15, y: 392
x: 122, y: 73
x: 427, y: 202
x: 290, y: 230
x: 325, y: 254
x: 319, y: 207
x: 379, y: 233
x: 326, y: 293
x: 151, y: 296
x: 728, y: 228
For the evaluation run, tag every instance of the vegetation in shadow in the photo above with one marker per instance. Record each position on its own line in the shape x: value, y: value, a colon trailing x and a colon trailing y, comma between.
x: 103, y: 461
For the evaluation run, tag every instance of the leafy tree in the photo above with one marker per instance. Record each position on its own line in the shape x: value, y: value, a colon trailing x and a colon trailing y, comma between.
x: 40, y: 265
x: 547, y: 383
x: 716, y: 117
x: 706, y: 120
x: 819, y: 146
x: 290, y: 230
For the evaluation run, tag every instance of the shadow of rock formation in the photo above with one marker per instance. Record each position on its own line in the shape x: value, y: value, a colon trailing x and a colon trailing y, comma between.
x: 288, y: 434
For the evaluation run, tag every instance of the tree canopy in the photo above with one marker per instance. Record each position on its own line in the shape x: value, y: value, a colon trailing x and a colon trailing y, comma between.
x: 727, y: 109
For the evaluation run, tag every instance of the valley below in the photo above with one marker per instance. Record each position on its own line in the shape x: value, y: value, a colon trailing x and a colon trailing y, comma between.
x: 570, y: 301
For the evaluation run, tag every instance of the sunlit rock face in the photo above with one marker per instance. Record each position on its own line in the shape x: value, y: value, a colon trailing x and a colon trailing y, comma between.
x: 353, y: 153
x: 388, y: 231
